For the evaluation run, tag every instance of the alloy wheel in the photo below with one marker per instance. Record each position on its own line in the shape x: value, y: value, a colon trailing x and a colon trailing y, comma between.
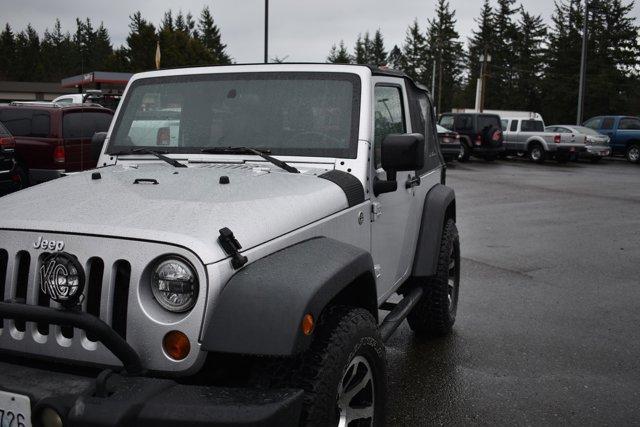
x: 356, y: 394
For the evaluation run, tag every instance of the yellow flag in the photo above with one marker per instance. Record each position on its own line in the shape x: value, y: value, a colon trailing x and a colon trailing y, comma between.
x: 158, y: 55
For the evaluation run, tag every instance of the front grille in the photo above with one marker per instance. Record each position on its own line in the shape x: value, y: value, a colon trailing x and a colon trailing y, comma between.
x: 115, y: 272
x: 106, y: 296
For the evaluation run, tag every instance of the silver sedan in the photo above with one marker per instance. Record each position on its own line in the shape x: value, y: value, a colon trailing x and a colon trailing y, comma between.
x: 597, y: 144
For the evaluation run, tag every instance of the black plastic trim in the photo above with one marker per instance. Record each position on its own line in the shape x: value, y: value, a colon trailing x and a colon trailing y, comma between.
x: 351, y: 185
x: 274, y: 293
x: 435, y: 207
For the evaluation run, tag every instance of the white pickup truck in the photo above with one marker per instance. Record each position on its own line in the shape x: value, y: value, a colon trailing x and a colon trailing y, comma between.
x: 528, y: 136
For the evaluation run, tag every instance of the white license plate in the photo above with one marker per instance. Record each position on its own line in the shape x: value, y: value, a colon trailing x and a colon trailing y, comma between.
x: 15, y: 410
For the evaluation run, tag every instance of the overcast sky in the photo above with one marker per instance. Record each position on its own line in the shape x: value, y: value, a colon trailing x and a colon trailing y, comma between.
x: 303, y: 30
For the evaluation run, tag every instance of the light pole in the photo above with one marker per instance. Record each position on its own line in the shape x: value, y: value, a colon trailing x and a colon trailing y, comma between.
x: 485, y: 58
x: 583, y: 64
x: 266, y: 31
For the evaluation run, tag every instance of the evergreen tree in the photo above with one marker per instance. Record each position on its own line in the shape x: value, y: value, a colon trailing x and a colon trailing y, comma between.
x: 27, y: 62
x: 482, y: 41
x: 141, y: 44
x: 395, y: 58
x: 360, y: 52
x: 378, y: 54
x: 339, y: 54
x: 499, y: 86
x: 209, y: 35
x: 414, y: 54
x: 7, y: 53
x: 59, y: 55
x: 529, y: 62
x: 444, y: 47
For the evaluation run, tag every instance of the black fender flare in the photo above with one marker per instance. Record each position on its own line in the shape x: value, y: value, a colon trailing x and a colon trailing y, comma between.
x: 438, y: 205
x: 260, y: 310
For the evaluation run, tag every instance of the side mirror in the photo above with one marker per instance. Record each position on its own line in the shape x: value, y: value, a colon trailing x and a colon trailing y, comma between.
x: 97, y: 141
x: 399, y: 152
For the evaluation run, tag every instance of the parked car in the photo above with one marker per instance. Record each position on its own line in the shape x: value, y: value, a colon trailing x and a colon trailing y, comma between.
x: 624, y: 134
x: 528, y: 136
x: 51, y: 139
x: 449, y: 143
x: 160, y: 271
x: 480, y: 134
x: 596, y: 144
x: 12, y: 175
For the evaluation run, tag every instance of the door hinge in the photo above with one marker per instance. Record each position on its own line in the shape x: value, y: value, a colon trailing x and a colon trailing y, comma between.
x: 376, y: 210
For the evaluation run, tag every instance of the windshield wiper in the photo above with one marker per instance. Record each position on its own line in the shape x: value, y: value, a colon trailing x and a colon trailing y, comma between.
x: 158, y: 154
x: 247, y: 150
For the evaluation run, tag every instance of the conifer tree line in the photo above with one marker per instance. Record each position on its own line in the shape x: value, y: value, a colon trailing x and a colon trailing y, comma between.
x: 184, y: 40
x: 534, y: 66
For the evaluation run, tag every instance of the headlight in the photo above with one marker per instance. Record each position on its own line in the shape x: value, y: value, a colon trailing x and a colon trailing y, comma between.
x: 174, y: 285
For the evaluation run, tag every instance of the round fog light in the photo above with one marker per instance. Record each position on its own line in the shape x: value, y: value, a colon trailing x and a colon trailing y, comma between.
x: 176, y: 345
x: 49, y: 417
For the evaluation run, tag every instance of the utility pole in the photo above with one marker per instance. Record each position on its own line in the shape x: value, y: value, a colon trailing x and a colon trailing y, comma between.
x: 266, y: 31
x: 583, y: 64
x: 433, y: 79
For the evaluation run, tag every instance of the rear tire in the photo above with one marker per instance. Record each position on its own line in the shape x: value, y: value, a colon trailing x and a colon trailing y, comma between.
x: 633, y: 153
x: 343, y: 373
x: 435, y: 313
x: 537, y: 153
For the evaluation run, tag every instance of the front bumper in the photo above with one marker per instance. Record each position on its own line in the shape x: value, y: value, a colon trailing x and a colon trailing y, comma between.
x: 115, y: 399
x: 118, y: 400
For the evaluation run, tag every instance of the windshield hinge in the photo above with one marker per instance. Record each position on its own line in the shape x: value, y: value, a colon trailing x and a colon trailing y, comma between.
x: 376, y: 210
x: 231, y: 246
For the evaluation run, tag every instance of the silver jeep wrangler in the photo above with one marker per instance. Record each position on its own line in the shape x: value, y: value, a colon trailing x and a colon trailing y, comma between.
x: 234, y: 257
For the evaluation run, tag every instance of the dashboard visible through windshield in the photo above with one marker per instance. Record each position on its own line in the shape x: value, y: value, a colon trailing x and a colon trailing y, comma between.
x: 298, y: 114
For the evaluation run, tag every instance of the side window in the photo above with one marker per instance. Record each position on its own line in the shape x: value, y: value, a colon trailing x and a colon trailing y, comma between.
x: 432, y: 159
x: 446, y: 122
x: 607, y: 123
x: 629, y: 124
x: 562, y: 130
x: 23, y: 122
x: 514, y: 125
x: 84, y: 124
x: 389, y: 116
x: 594, y: 123
x: 463, y: 123
x: 504, y: 124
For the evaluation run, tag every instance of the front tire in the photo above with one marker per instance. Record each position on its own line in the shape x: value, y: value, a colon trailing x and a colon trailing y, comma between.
x: 435, y: 313
x: 633, y: 153
x: 343, y: 373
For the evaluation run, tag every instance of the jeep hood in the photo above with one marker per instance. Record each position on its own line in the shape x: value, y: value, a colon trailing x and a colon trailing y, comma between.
x: 186, y: 207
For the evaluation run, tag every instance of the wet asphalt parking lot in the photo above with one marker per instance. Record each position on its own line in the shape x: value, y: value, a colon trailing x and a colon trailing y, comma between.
x: 548, y: 327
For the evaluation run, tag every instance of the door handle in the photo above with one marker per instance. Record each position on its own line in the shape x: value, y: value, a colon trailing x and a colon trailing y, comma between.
x: 412, y: 182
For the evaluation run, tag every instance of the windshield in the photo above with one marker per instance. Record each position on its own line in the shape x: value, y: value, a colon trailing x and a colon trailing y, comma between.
x: 298, y: 114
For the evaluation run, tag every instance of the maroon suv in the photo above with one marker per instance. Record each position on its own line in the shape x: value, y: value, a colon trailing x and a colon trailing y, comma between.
x: 51, y: 140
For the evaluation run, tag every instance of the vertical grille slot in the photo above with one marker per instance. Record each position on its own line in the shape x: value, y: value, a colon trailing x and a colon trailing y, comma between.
x: 94, y: 289
x: 43, y: 300
x: 122, y: 273
x: 4, y: 259
x: 23, y: 261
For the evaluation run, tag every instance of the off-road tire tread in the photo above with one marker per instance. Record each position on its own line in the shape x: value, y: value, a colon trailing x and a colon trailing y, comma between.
x: 321, y: 361
x: 431, y: 317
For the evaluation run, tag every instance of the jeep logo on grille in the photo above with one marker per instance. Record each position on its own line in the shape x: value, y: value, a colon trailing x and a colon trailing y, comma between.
x: 62, y: 279
x: 51, y: 245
